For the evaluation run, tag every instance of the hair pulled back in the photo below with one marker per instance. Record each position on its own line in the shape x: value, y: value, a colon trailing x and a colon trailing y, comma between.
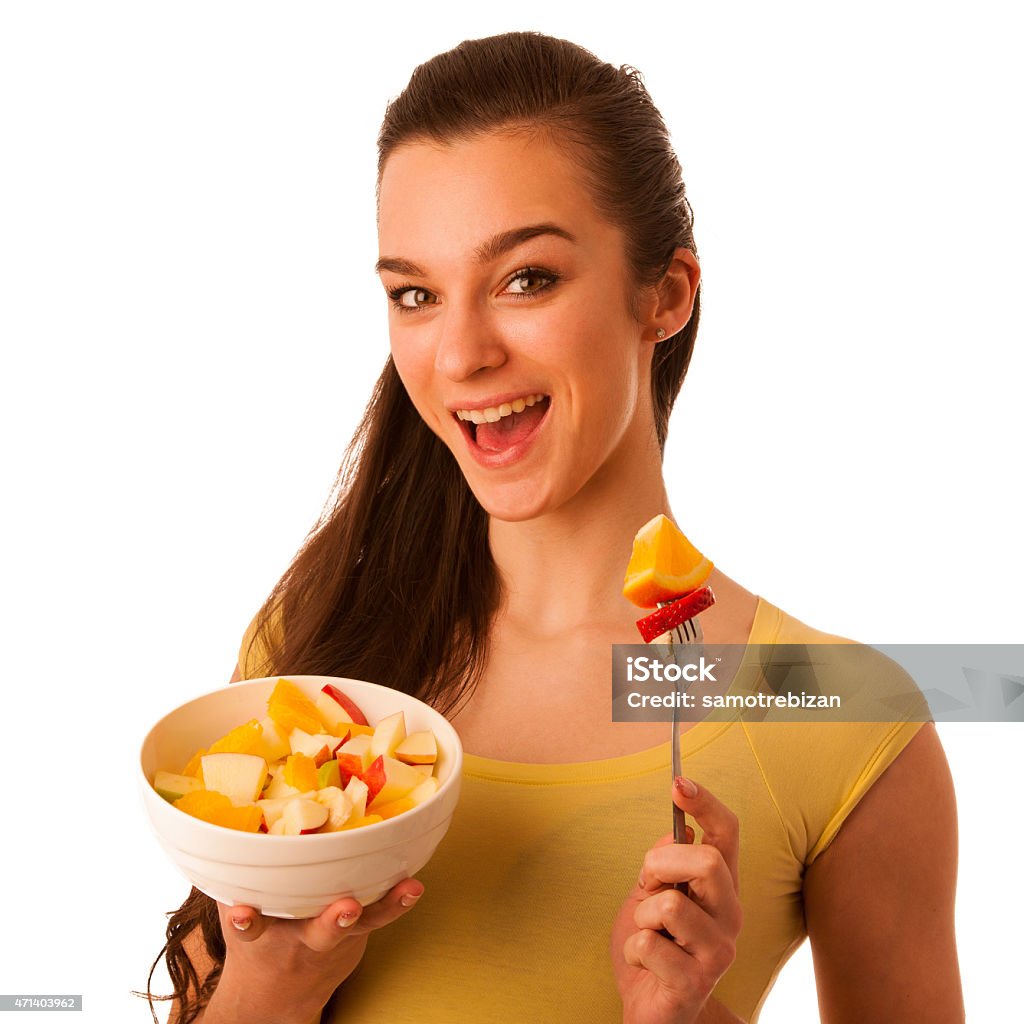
x: 395, y: 583
x: 601, y: 115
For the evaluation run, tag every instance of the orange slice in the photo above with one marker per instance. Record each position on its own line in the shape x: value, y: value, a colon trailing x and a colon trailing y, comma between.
x: 217, y: 809
x: 195, y: 764
x: 291, y: 709
x: 664, y: 564
x: 242, y: 740
x: 300, y: 771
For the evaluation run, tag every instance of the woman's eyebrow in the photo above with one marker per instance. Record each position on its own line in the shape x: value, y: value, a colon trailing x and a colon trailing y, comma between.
x: 494, y: 247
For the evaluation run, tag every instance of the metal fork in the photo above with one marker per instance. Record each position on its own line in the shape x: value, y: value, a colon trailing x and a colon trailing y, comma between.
x: 690, y: 636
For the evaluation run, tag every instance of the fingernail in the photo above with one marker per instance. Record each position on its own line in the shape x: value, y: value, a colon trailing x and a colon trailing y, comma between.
x: 686, y: 786
x: 409, y: 899
x: 347, y: 918
x: 242, y: 923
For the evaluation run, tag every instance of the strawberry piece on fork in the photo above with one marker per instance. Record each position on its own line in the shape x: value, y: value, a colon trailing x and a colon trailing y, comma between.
x: 675, y: 612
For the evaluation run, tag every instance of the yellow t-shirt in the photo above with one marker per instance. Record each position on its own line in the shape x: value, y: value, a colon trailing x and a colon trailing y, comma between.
x: 521, y: 895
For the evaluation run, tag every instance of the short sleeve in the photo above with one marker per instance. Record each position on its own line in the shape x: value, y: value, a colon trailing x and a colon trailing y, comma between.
x: 818, y: 771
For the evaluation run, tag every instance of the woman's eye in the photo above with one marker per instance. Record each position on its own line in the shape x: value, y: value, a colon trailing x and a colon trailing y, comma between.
x: 412, y: 298
x: 527, y: 282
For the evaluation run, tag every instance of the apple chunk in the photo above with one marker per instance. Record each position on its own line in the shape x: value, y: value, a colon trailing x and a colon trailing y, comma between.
x: 357, y: 791
x: 171, y: 786
x: 417, y: 748
x: 347, y: 704
x: 300, y: 815
x: 389, y: 733
x: 238, y: 776
x: 339, y: 807
x: 273, y: 744
x: 399, y: 779
x: 357, y: 747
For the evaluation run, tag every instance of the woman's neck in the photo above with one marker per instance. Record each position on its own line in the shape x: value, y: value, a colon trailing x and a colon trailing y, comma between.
x: 565, y: 569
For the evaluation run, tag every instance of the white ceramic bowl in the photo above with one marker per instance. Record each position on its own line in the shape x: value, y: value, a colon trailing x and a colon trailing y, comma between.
x: 295, y: 876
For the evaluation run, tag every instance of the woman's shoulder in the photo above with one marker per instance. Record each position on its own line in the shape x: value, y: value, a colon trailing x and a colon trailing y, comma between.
x: 819, y: 761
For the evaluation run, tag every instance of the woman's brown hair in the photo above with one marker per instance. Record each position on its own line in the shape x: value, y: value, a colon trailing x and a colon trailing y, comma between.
x: 395, y: 583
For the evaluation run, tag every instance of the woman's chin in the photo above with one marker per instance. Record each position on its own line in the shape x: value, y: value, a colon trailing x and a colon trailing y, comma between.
x: 512, y: 502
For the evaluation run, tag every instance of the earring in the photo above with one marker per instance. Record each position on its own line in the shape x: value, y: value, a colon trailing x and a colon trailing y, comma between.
x: 660, y: 332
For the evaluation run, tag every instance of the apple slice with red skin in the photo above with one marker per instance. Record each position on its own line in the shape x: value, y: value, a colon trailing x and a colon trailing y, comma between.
x: 417, y: 748
x: 675, y: 613
x: 346, y: 702
x: 374, y: 778
x: 349, y: 765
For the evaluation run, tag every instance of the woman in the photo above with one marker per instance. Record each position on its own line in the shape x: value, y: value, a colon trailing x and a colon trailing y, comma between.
x: 537, y: 252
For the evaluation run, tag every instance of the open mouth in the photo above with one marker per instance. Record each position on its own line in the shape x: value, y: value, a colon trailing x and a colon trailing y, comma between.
x: 499, y: 428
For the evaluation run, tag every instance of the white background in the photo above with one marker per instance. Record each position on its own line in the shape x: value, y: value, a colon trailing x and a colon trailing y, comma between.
x: 191, y: 325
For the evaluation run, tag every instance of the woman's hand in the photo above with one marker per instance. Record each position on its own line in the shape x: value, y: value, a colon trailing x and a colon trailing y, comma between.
x: 282, y: 971
x: 662, y: 981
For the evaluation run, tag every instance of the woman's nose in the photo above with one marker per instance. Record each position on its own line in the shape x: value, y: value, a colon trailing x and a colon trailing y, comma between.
x: 468, y: 342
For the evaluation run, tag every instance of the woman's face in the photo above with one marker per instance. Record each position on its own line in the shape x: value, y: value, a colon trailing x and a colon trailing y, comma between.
x: 510, y: 319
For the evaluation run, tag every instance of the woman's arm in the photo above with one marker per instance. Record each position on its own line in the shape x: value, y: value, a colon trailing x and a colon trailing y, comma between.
x: 879, y: 901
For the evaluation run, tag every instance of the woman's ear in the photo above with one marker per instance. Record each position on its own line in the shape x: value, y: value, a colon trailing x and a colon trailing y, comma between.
x: 671, y: 301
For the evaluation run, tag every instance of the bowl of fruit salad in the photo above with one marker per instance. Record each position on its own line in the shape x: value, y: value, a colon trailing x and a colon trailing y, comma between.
x: 286, y: 794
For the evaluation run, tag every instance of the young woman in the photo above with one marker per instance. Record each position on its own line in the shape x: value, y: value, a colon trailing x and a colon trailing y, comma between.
x: 543, y: 288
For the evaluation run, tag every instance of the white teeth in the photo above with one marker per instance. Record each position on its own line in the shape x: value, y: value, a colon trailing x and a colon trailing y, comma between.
x: 493, y: 413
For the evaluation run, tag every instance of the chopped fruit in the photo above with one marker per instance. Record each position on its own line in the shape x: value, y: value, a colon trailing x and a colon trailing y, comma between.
x: 389, y: 733
x: 328, y: 774
x: 370, y: 819
x: 273, y: 809
x: 332, y: 714
x: 171, y: 786
x: 424, y: 791
x: 358, y: 747
x: 284, y: 775
x: 244, y: 739
x: 195, y: 764
x: 217, y: 809
x: 291, y: 709
x: 355, y: 729
x: 339, y: 807
x: 273, y: 743
x: 278, y: 788
x: 399, y: 779
x: 239, y: 777
x: 300, y: 771
x: 349, y: 765
x: 357, y: 791
x: 348, y: 705
x: 301, y: 815
x: 674, y: 613
x: 302, y: 742
x: 417, y: 748
x: 374, y: 778
x: 664, y: 565
x: 389, y: 810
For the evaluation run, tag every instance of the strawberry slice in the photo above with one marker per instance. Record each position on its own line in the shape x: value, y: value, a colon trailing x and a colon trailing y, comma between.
x: 674, y: 613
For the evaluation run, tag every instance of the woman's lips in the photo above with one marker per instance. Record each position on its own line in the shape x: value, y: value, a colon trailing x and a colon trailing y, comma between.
x: 505, y: 439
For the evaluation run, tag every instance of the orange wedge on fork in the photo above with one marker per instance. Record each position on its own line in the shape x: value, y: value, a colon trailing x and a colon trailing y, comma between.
x: 664, y: 564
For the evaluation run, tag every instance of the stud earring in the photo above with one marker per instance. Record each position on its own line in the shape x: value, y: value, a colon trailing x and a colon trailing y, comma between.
x: 660, y: 332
